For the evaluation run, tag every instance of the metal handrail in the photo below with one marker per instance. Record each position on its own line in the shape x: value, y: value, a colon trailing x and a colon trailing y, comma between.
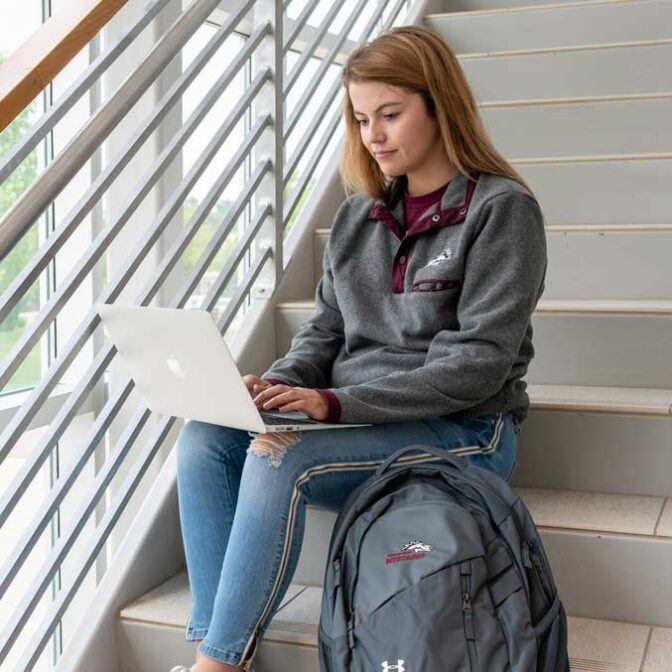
x: 37, y: 61
x: 302, y: 184
x: 21, y: 284
x: 300, y: 23
x: 327, y: 61
x: 293, y: 76
x: 272, y: 208
x: 82, y: 84
x: 66, y: 165
x: 64, y: 484
x: 30, y: 467
x: 124, y: 444
x: 112, y: 515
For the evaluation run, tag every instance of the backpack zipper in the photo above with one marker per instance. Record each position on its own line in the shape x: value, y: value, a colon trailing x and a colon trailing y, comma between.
x: 350, y: 623
x: 533, y: 563
x: 468, y: 615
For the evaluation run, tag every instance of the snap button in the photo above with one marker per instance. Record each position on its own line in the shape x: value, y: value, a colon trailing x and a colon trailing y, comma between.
x: 436, y: 218
x: 402, y: 260
x: 463, y: 211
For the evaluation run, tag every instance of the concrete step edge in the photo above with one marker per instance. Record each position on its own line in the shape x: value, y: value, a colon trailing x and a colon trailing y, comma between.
x: 570, y: 48
x: 598, y: 399
x: 594, y: 643
x: 533, y: 8
x: 624, y: 307
x: 573, y: 228
x: 577, y: 100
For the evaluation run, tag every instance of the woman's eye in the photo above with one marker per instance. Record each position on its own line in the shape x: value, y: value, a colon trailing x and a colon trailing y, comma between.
x: 385, y: 116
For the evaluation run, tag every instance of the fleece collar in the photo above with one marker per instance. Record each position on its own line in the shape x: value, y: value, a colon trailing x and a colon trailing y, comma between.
x: 451, y: 209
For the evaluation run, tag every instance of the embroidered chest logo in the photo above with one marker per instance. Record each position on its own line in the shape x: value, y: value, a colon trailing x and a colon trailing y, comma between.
x: 446, y: 254
x: 413, y: 550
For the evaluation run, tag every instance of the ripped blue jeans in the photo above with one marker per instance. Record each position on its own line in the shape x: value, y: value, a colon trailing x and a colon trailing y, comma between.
x: 242, y: 503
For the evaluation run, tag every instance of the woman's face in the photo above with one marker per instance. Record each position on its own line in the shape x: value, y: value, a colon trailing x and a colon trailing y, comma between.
x: 404, y: 127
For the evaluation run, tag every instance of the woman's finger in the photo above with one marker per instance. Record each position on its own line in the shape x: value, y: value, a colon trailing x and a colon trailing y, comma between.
x: 270, y: 393
x: 282, y: 398
x: 299, y: 405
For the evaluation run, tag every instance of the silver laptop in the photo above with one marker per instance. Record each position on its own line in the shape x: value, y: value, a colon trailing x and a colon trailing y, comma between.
x: 182, y: 366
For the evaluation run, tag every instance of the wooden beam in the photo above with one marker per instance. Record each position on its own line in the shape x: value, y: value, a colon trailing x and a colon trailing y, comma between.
x: 48, y: 50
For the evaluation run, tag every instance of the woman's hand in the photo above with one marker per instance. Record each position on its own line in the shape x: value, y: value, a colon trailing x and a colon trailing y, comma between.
x: 287, y: 398
x: 254, y: 384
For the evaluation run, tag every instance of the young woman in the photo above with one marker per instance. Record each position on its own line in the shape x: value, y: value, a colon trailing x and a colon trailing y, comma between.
x: 434, y: 265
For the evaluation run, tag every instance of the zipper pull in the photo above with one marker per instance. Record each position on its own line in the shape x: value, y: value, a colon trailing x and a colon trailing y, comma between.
x: 351, y: 634
x: 337, y: 572
x: 468, y: 616
x: 527, y: 561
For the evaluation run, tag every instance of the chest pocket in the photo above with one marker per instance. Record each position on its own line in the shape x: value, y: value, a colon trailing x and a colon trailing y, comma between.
x: 438, y: 277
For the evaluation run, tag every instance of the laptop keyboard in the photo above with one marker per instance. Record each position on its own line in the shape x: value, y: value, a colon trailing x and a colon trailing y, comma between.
x: 275, y: 420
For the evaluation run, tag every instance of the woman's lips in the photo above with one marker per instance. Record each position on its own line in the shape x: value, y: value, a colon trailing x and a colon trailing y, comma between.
x: 382, y: 155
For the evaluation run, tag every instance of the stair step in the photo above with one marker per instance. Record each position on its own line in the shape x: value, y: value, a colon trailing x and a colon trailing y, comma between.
x: 623, y: 453
x: 611, y: 193
x: 607, y: 552
x: 604, y: 70
x: 590, y: 128
x: 574, y: 255
x: 471, y: 6
x: 573, y: 306
x: 616, y: 192
x: 577, y: 342
x: 601, y: 399
x: 559, y: 25
x: 601, y: 349
x: 596, y: 511
x: 593, y: 643
x: 607, y: 194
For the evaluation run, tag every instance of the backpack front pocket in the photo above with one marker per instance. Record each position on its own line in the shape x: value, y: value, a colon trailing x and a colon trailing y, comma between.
x: 421, y: 629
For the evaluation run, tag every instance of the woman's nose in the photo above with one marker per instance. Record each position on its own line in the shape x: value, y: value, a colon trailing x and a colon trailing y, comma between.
x: 375, y: 130
x: 376, y: 138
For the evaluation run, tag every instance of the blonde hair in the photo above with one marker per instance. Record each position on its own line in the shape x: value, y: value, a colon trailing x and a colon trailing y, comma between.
x: 418, y: 59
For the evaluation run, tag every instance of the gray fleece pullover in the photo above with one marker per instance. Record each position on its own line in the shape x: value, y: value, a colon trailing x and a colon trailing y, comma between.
x: 430, y: 321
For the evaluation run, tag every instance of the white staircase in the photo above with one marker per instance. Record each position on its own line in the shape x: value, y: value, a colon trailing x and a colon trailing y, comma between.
x: 579, y: 97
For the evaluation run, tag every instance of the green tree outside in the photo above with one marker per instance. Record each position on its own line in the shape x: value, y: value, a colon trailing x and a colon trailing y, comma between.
x: 10, y: 190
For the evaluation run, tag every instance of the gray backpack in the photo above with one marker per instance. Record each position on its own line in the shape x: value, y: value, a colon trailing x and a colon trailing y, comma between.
x: 438, y: 567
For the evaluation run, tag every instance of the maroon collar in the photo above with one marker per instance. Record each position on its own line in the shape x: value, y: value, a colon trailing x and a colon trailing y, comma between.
x: 451, y: 209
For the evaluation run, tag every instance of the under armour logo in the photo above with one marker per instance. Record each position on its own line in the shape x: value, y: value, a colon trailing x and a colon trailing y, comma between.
x: 399, y: 666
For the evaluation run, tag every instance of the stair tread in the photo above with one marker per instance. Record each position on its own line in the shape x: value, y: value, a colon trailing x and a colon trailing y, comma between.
x: 533, y: 8
x: 593, y: 643
x: 596, y: 398
x: 571, y: 228
x: 620, y: 306
x: 596, y: 46
x: 642, y: 515
x: 594, y: 511
x: 601, y: 399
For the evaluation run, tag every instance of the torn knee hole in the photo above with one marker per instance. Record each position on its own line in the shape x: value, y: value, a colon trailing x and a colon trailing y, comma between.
x: 273, y: 446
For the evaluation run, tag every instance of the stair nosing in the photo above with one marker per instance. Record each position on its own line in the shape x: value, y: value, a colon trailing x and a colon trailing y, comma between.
x: 573, y: 228
x: 595, y: 158
x: 576, y: 100
x: 569, y: 48
x: 572, y: 306
x: 533, y: 8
